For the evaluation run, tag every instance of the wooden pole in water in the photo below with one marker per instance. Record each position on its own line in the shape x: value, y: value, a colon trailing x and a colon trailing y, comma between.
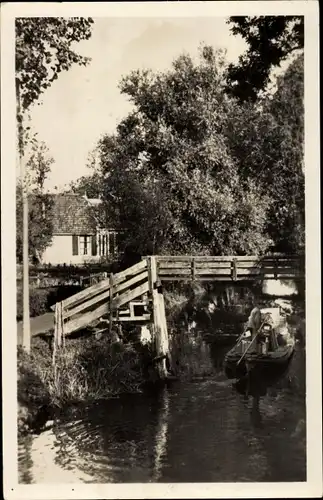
x: 151, y: 290
x: 159, y: 321
x: 164, y: 339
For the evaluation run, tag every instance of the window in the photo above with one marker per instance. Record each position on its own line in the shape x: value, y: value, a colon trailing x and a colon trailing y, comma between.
x: 107, y: 243
x: 85, y: 245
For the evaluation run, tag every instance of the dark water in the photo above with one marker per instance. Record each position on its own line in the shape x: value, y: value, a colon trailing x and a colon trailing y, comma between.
x: 201, y: 431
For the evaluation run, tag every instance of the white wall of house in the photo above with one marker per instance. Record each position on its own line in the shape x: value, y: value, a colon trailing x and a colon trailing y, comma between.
x: 61, y: 252
x: 61, y: 249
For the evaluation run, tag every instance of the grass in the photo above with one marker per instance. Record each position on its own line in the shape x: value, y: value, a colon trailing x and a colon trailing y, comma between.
x: 86, y: 370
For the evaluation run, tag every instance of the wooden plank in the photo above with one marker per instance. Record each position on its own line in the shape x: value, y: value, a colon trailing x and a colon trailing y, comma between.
x: 103, y: 296
x: 266, y: 270
x: 86, y: 294
x: 222, y: 258
x: 59, y: 325
x: 265, y: 263
x: 86, y: 319
x: 188, y: 258
x: 175, y: 264
x: 130, y: 295
x: 161, y: 336
x: 285, y: 276
x: 203, y: 258
x: 177, y: 272
x: 211, y: 265
x: 130, y: 271
x: 129, y: 283
x: 234, y: 270
x: 101, y: 287
x: 124, y: 312
x: 143, y: 303
x: 86, y: 305
x: 193, y: 270
x: 213, y: 272
x: 154, y: 297
x: 162, y: 312
x: 228, y: 278
x: 145, y: 317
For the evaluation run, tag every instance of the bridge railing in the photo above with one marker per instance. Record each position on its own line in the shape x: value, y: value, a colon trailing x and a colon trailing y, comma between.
x: 118, y: 296
x: 226, y: 268
x: 113, y: 295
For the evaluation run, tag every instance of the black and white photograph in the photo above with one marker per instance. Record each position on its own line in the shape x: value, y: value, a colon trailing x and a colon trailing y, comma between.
x: 164, y: 211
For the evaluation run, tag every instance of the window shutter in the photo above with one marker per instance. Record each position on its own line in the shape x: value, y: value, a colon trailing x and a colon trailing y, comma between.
x: 75, y: 244
x: 94, y: 246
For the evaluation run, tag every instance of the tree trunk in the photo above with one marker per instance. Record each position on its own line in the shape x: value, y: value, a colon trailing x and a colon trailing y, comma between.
x: 25, y: 254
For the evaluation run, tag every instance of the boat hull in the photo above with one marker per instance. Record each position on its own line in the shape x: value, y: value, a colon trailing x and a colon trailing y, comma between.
x: 269, y: 364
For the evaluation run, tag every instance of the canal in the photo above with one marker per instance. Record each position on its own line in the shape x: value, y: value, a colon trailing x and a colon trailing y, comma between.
x: 205, y: 430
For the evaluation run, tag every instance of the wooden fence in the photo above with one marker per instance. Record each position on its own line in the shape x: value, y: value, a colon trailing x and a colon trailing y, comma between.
x: 127, y: 295
x: 130, y: 295
x: 228, y: 268
x: 119, y: 290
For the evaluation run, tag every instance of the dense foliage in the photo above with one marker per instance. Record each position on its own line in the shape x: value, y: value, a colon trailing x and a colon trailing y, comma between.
x: 194, y: 170
x: 270, y: 40
x: 267, y: 138
x: 169, y: 174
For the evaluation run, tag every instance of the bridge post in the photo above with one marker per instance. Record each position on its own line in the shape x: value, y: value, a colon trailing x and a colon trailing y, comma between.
x: 159, y: 325
x: 193, y: 269
x: 59, y: 337
x: 234, y: 269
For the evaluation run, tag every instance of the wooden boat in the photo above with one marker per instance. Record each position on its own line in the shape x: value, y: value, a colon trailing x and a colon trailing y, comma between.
x: 266, y: 351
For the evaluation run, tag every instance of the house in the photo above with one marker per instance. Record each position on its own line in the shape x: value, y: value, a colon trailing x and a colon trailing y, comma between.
x: 79, y: 232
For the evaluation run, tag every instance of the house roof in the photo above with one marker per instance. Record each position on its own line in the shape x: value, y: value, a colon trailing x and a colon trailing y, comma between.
x: 73, y: 214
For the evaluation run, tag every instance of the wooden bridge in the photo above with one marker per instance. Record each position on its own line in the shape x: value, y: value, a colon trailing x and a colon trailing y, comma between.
x: 135, y: 294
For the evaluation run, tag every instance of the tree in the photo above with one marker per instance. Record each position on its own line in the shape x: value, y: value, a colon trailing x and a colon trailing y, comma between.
x: 169, y: 169
x: 43, y: 49
x: 38, y: 166
x: 39, y: 222
x: 271, y: 40
x: 40, y: 215
x: 267, y: 140
x: 87, y: 185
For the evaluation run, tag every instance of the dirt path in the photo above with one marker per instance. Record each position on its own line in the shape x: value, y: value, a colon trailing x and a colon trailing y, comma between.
x: 39, y: 324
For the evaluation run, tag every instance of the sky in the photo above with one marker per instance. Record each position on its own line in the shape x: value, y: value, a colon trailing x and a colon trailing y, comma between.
x: 84, y: 103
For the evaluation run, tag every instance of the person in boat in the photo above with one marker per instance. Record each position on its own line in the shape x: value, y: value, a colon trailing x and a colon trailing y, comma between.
x: 252, y: 328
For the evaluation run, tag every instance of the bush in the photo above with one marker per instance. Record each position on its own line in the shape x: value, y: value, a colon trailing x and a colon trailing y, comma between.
x: 86, y: 370
x: 38, y: 301
x: 41, y: 299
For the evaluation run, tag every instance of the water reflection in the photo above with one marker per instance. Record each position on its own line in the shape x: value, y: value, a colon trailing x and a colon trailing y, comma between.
x: 205, y: 431
x: 122, y: 440
x: 161, y: 435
